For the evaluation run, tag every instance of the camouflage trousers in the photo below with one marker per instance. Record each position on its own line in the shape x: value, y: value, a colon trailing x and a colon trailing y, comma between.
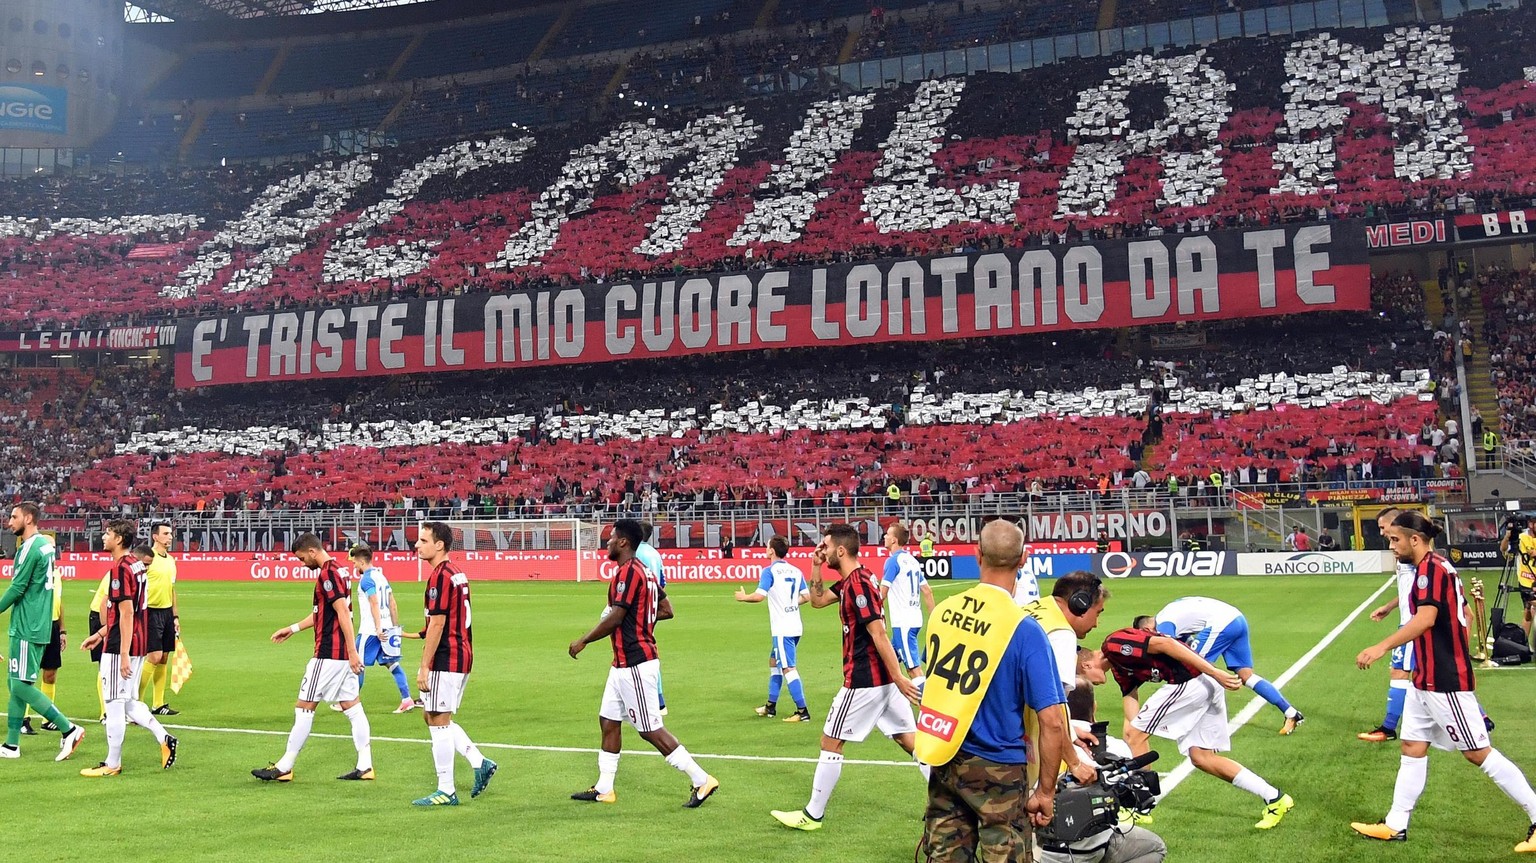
x: 974, y: 813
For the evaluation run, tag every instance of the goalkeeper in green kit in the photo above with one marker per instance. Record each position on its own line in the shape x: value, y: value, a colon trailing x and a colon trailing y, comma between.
x: 30, y: 599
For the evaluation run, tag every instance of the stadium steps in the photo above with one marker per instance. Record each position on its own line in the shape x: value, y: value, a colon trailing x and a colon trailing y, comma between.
x: 850, y: 44
x: 1480, y: 391
x: 537, y: 53
x: 195, y: 130
x: 765, y: 15
x: 405, y: 55
x: 1107, y: 11
x: 278, y: 60
x: 394, y: 113
x: 616, y: 80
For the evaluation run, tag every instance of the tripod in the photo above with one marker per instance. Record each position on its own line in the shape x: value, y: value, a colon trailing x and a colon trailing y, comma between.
x: 1508, y: 583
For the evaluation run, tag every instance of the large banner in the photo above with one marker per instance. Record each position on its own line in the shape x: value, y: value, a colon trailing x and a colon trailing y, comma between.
x: 109, y: 339
x: 1170, y: 279
x: 32, y: 108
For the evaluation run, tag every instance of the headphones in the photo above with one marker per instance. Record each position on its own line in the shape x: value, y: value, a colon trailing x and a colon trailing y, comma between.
x: 1082, y: 600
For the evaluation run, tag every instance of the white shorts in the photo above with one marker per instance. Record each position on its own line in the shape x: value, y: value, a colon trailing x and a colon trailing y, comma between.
x: 113, y: 686
x: 633, y: 695
x: 1192, y: 713
x: 856, y: 712
x: 328, y: 680
x: 1445, y: 720
x: 447, y: 691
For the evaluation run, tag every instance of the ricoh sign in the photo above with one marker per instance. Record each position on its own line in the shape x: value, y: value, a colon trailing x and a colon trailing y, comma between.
x: 33, y: 109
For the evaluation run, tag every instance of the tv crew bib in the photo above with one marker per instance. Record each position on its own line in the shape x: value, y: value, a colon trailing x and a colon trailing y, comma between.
x: 1048, y: 614
x: 967, y: 637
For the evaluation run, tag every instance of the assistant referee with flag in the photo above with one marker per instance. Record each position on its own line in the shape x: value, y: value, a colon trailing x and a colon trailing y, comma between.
x: 987, y: 661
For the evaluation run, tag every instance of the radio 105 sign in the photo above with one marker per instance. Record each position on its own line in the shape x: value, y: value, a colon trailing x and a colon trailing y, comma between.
x: 33, y: 109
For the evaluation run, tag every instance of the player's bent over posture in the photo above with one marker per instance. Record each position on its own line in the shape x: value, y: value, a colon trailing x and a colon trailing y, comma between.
x: 876, y: 689
x: 1441, y: 709
x: 446, y: 657
x: 636, y: 601
x: 124, y: 639
x: 331, y: 674
x: 1190, y: 709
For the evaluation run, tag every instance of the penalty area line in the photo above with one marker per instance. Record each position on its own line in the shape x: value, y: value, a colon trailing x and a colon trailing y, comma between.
x: 1252, y: 708
x: 524, y: 747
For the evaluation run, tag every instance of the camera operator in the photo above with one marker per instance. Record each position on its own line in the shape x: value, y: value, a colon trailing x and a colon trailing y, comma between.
x: 1123, y: 842
x: 1526, y: 548
x: 988, y: 661
x: 1069, y: 613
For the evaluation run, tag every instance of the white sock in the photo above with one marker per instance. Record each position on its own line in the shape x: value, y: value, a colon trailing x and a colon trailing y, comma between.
x: 361, y: 733
x: 607, y: 768
x: 1511, y: 781
x: 828, y: 768
x: 466, y: 747
x: 303, y: 720
x: 138, y: 713
x: 442, y: 757
x: 926, y: 770
x: 684, y: 762
x: 1411, y: 775
x: 1254, y: 784
x: 117, y: 726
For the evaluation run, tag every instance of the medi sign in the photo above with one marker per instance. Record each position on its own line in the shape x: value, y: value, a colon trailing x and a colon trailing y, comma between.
x: 28, y: 108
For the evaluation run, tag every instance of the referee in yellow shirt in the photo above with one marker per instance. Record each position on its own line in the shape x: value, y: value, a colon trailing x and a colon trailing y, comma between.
x: 53, y: 655
x: 163, y: 622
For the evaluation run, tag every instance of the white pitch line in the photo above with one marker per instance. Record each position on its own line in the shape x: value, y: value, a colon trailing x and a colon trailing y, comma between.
x: 530, y: 748
x: 1185, y: 768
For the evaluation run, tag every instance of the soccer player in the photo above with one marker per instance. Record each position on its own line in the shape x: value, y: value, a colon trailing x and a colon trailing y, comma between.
x: 1527, y: 571
x: 124, y: 639
x: 782, y: 585
x: 31, y: 604
x: 1214, y: 630
x: 164, y: 620
x: 901, y: 589
x: 1401, y: 679
x: 1441, y: 707
x: 875, y: 690
x: 1190, y: 709
x: 53, y: 657
x: 331, y: 674
x: 379, y: 632
x: 635, y: 603
x: 650, y: 558
x: 446, y: 657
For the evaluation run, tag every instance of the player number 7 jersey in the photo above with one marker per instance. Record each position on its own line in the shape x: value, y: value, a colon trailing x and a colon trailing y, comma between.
x: 781, y: 585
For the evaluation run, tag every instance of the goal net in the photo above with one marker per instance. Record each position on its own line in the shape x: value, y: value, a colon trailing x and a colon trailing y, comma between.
x: 526, y: 548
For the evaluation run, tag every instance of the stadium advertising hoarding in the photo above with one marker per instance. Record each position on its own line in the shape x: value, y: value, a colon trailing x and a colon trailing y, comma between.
x: 32, y: 108
x: 1181, y: 277
x: 1161, y: 564
x: 1477, y: 555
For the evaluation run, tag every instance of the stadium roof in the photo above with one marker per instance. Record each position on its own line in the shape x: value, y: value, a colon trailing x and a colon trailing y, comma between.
x: 204, y: 10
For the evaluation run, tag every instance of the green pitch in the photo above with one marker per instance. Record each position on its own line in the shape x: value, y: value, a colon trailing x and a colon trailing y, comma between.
x: 527, y: 692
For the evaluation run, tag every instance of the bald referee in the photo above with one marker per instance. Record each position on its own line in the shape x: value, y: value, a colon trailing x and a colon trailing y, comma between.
x: 988, y: 660
x: 164, y: 624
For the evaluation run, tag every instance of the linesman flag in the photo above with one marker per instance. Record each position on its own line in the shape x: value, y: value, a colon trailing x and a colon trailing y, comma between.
x: 181, y: 667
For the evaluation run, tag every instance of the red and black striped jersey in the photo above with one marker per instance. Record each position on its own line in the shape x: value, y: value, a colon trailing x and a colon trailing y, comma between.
x: 1133, y: 662
x: 130, y: 583
x: 638, y: 591
x: 332, y: 582
x: 1442, y: 661
x: 448, y: 598
x: 858, y: 606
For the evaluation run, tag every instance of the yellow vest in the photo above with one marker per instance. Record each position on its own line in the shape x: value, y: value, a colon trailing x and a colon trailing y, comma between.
x: 55, y: 581
x: 1048, y: 614
x: 893, y: 491
x: 162, y: 578
x: 925, y: 548
x: 967, y: 636
x: 99, y: 601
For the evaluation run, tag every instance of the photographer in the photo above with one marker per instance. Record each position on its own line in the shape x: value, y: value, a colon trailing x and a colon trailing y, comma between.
x: 1527, y: 550
x: 1122, y: 842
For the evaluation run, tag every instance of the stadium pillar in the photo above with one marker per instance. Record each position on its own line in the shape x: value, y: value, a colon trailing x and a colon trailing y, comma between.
x: 61, y: 62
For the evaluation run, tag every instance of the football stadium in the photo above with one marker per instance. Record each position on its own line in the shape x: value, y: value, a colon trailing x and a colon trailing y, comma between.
x: 594, y: 350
